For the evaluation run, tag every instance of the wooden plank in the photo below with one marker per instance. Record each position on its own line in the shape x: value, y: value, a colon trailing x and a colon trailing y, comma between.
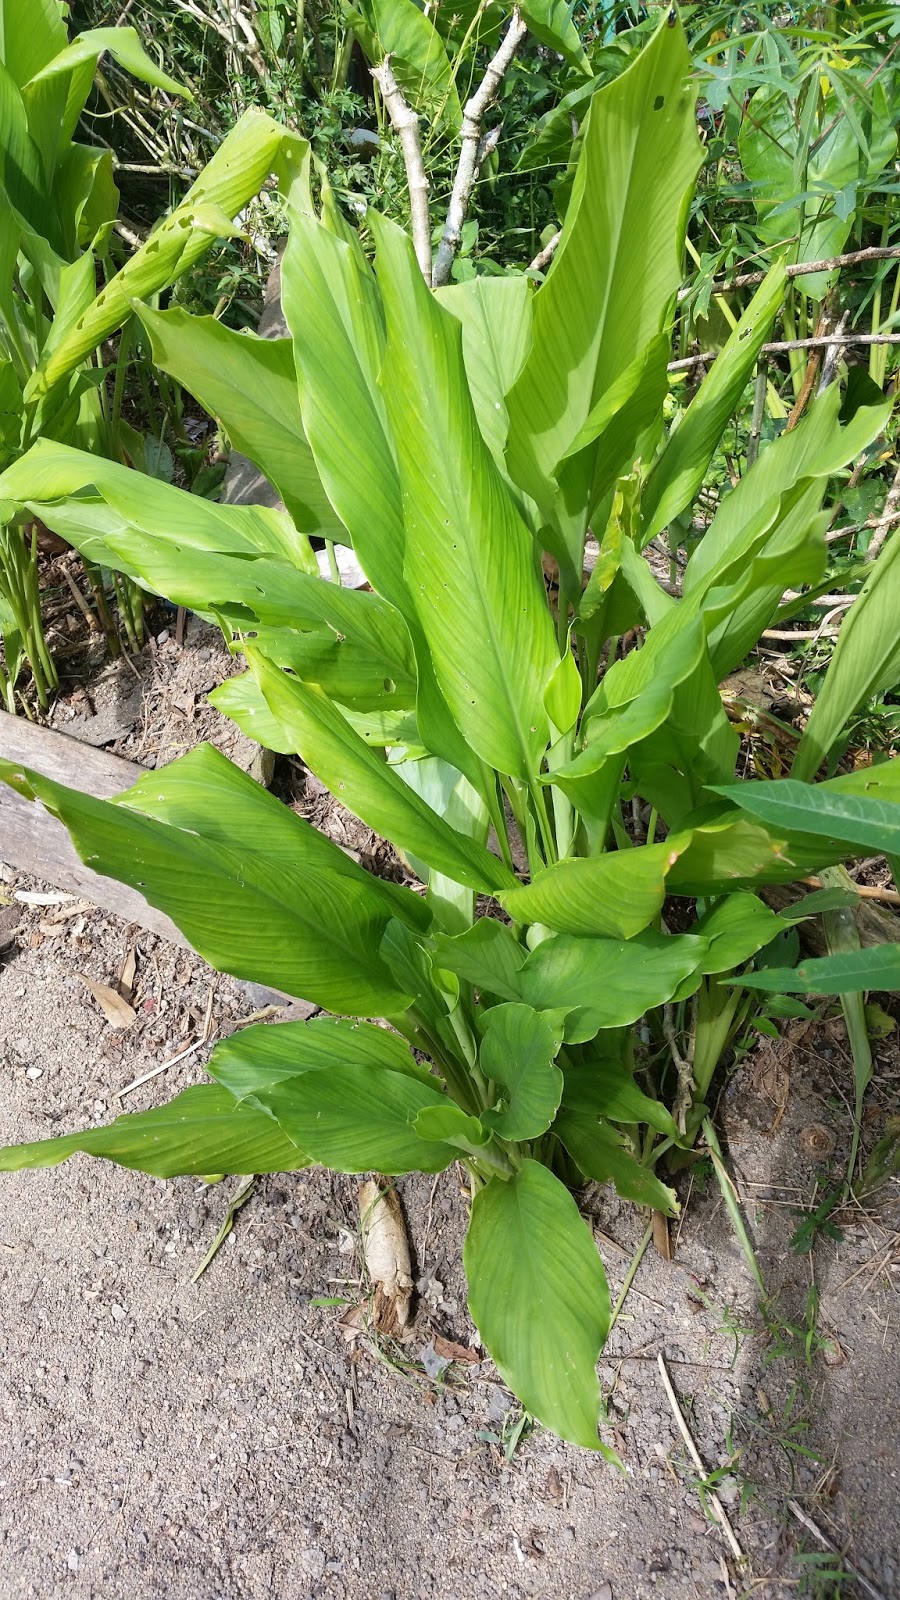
x: 33, y: 841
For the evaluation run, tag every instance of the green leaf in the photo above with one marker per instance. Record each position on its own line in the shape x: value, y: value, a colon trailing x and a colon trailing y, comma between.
x: 848, y: 972
x: 679, y: 471
x: 289, y: 909
x: 397, y: 28
x: 815, y: 450
x: 735, y: 929
x: 551, y: 22
x: 562, y: 697
x: 859, y: 820
x: 470, y: 561
x: 236, y: 172
x: 202, y: 1130
x: 595, y: 314
x: 495, y: 314
x: 32, y: 32
x: 865, y: 661
x: 256, y: 1058
x: 607, y: 983
x: 605, y: 1088
x: 250, y: 385
x: 360, y: 778
x: 518, y: 1052
x: 615, y: 895
x: 620, y: 729
x: 450, y: 1125
x: 730, y: 852
x: 768, y: 146
x: 602, y: 1154
x: 487, y: 955
x: 355, y: 1120
x: 538, y: 1296
x: 123, y: 45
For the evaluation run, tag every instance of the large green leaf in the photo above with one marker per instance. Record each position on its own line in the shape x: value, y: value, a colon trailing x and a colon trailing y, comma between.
x: 332, y: 309
x: 727, y: 852
x: 254, y: 1059
x: 604, y: 1155
x: 595, y: 314
x: 866, y: 660
x: 360, y: 778
x: 607, y: 983
x: 518, y: 1052
x: 615, y: 895
x: 816, y: 449
x: 860, y: 820
x: 23, y: 186
x: 495, y: 314
x: 256, y: 890
x: 848, y: 972
x: 353, y: 1119
x: 604, y: 1087
x: 538, y: 1296
x: 250, y: 385
x: 32, y: 32
x: 469, y: 561
x: 487, y: 955
x: 399, y: 29
x: 679, y: 471
x: 202, y: 1130
x: 123, y: 45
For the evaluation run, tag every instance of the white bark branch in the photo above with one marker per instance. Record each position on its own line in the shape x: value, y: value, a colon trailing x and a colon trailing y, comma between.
x: 481, y: 101
x: 405, y: 123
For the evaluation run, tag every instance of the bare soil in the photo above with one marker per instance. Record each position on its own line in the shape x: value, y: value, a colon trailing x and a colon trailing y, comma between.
x: 226, y: 1440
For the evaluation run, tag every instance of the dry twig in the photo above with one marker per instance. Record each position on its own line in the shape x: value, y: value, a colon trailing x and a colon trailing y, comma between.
x: 683, y: 1429
x: 545, y: 256
x: 780, y: 346
x: 481, y: 101
x: 802, y: 269
x: 405, y: 123
x: 826, y: 1543
x: 887, y: 519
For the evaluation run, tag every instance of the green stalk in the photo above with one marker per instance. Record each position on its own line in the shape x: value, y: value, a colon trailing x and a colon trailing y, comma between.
x: 731, y: 1203
x: 841, y: 933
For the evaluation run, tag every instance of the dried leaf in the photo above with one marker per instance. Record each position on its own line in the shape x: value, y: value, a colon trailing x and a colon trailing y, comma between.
x: 127, y: 975
x: 118, y: 1013
x: 386, y: 1255
x: 661, y: 1237
x: 454, y: 1352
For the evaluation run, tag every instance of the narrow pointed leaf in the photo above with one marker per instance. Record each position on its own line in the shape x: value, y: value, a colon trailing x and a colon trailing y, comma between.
x: 860, y: 820
x: 469, y: 562
x: 360, y: 778
x: 602, y: 1154
x: 849, y: 972
x: 202, y: 1130
x: 229, y: 859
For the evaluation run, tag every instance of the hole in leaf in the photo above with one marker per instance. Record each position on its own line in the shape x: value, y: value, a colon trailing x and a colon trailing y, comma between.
x: 659, y: 102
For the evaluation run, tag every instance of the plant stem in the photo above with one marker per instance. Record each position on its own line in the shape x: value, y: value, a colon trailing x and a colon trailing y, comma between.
x: 630, y: 1275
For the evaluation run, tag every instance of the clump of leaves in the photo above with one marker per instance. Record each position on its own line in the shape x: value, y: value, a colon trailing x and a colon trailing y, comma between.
x: 453, y: 437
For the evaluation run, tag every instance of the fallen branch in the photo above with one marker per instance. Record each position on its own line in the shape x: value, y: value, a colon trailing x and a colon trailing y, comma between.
x: 405, y: 123
x: 887, y: 519
x: 473, y: 115
x: 803, y: 269
x: 545, y: 256
x: 683, y: 1429
x: 782, y: 345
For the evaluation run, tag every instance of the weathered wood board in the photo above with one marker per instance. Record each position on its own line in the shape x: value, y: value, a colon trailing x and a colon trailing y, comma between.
x: 33, y: 841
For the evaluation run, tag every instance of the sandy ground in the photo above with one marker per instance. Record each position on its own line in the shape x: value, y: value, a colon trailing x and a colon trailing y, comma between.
x: 224, y: 1440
